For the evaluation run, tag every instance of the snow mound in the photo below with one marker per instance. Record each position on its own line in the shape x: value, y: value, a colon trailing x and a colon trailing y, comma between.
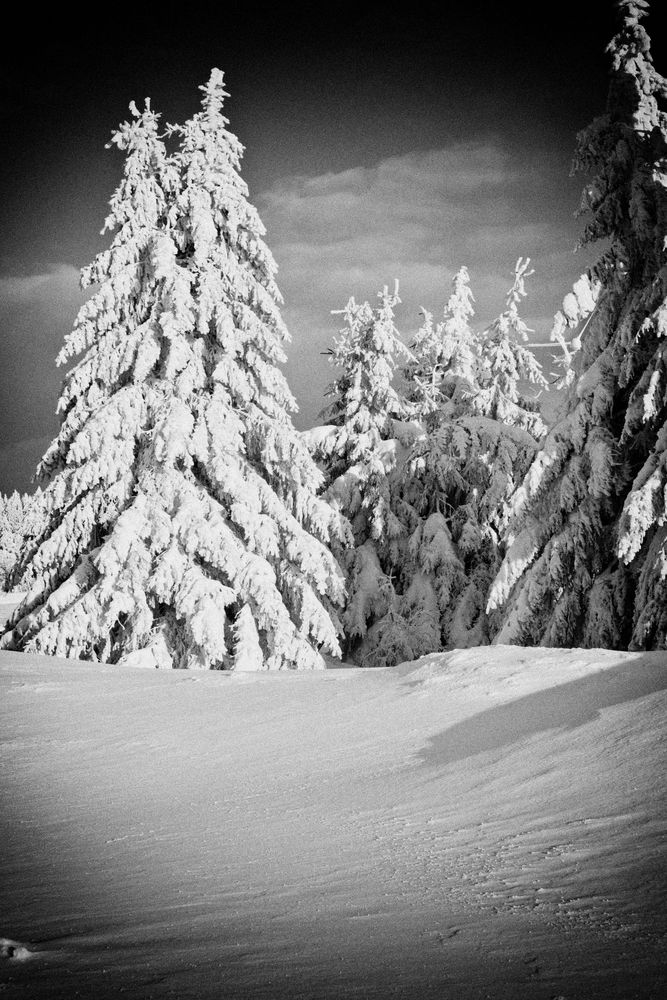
x: 13, y: 950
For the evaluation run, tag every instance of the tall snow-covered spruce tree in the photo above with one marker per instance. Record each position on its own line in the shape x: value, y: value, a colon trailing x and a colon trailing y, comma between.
x: 588, y: 563
x: 182, y: 525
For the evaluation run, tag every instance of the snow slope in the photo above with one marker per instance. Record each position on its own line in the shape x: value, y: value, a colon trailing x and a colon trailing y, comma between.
x: 478, y: 824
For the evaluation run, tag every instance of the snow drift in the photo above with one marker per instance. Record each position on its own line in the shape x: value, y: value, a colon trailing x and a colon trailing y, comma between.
x: 485, y: 823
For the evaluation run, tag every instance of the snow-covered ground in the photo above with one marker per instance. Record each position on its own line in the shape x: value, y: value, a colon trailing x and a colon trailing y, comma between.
x: 478, y: 824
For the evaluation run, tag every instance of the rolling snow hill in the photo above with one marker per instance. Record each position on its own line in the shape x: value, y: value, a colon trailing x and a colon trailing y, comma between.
x: 478, y: 824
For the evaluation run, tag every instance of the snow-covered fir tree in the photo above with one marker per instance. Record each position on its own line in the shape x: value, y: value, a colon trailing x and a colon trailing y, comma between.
x: 588, y: 565
x: 358, y: 450
x: 452, y: 492
x: 578, y: 305
x: 182, y: 526
x: 453, y: 496
x: 11, y: 535
x: 364, y: 402
x: 21, y: 519
x: 506, y: 363
x: 444, y: 374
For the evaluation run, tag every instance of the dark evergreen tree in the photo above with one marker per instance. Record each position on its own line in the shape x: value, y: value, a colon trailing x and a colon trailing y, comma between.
x: 588, y: 563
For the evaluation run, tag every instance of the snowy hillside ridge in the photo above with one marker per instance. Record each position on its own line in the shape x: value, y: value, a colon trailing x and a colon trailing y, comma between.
x: 181, y: 525
x: 487, y: 822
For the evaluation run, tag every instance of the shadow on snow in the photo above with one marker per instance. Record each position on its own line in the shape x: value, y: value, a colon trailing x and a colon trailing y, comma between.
x: 566, y: 706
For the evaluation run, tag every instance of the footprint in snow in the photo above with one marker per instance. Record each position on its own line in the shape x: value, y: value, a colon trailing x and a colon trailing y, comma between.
x: 13, y: 950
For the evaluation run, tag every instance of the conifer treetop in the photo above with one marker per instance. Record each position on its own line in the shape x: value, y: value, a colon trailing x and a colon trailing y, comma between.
x: 444, y: 374
x: 460, y: 306
x: 364, y: 400
x: 506, y: 363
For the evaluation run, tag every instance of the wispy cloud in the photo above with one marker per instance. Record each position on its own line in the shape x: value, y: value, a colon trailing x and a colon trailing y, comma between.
x: 59, y: 283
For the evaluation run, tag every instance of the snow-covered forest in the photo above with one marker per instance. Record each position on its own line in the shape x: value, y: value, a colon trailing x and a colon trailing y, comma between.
x: 185, y: 522
x: 480, y: 815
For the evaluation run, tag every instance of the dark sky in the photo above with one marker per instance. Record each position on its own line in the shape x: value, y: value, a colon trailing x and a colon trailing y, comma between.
x: 381, y: 144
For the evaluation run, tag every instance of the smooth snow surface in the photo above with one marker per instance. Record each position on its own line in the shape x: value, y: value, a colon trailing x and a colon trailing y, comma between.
x: 477, y: 824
